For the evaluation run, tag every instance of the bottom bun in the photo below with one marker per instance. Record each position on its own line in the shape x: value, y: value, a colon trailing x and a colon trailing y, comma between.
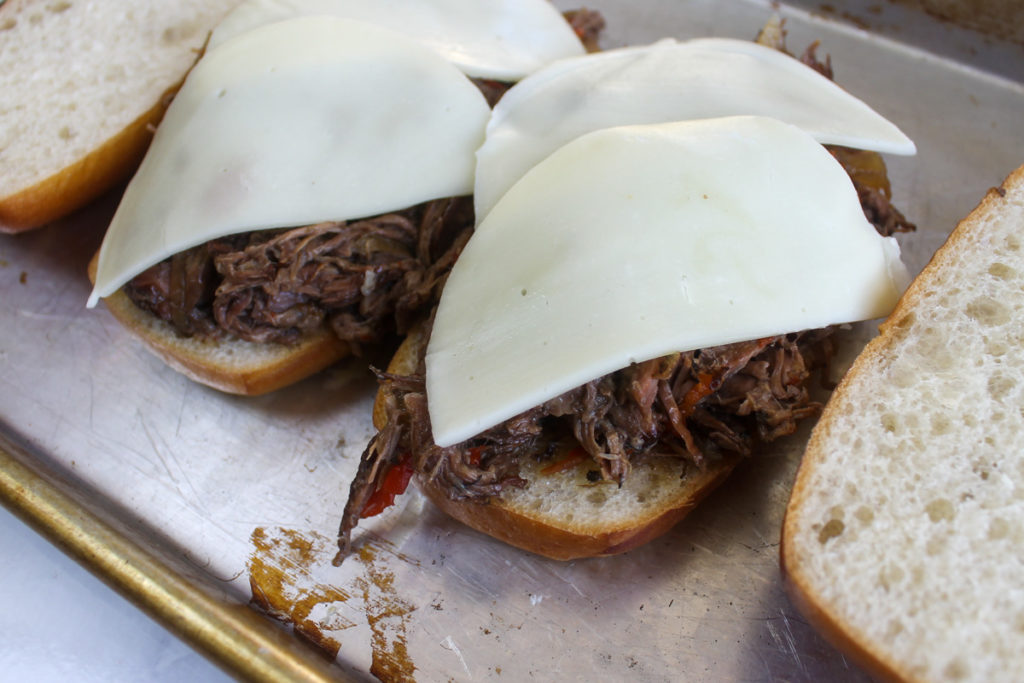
x: 563, y: 515
x: 234, y: 366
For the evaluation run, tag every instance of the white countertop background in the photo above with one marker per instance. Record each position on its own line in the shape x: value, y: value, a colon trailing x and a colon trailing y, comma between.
x: 58, y: 622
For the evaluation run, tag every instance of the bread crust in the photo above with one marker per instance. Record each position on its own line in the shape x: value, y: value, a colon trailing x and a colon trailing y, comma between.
x: 88, y: 128
x: 554, y: 535
x: 76, y: 185
x: 848, y: 641
x: 555, y: 538
x: 231, y: 366
x: 846, y: 637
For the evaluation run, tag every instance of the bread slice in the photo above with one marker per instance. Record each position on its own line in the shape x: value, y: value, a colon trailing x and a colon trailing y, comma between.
x: 562, y: 515
x: 230, y: 365
x: 82, y: 85
x: 903, y: 537
x: 565, y: 517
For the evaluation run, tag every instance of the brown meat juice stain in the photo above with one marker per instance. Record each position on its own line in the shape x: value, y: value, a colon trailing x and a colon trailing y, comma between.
x: 281, y: 568
x: 386, y: 613
x: 280, y: 579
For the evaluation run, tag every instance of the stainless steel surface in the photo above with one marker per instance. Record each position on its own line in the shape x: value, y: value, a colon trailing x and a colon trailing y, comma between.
x: 245, y: 492
x: 141, y: 569
x: 99, y: 638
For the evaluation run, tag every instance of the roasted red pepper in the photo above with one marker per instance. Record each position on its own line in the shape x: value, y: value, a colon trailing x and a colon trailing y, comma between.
x: 475, y: 454
x: 394, y: 483
x: 708, y: 383
x: 572, y: 458
x: 705, y: 386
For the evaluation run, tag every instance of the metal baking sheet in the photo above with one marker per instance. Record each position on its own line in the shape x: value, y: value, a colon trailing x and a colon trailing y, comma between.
x: 243, y: 495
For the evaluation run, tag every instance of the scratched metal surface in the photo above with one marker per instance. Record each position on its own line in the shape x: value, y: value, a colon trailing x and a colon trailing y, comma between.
x: 248, y: 492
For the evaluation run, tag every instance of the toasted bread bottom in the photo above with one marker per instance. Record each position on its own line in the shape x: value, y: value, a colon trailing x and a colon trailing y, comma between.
x: 563, y: 515
x: 230, y: 365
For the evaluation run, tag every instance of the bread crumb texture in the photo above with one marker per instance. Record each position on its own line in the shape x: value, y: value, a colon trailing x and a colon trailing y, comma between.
x: 76, y: 73
x: 906, y: 525
x: 605, y: 506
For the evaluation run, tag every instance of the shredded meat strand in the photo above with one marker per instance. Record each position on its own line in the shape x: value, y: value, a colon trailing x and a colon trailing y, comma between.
x: 759, y: 394
x: 365, y: 279
x: 588, y: 25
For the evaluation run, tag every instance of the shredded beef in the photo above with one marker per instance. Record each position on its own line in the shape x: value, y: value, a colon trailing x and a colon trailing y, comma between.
x: 866, y: 168
x: 695, y: 406
x: 810, y: 58
x: 870, y: 178
x: 365, y: 278
x: 180, y: 289
x: 588, y: 25
x: 492, y: 90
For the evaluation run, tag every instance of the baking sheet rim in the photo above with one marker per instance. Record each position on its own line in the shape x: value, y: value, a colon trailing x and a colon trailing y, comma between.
x: 235, y: 637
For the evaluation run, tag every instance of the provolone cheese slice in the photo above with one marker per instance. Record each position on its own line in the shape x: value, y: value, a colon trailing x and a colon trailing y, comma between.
x: 296, y: 122
x: 667, y: 81
x: 499, y: 39
x: 634, y: 242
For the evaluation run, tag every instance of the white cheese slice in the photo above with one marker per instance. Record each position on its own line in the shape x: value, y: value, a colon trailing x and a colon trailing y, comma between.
x: 667, y: 81
x: 498, y: 39
x: 634, y: 242
x: 296, y: 122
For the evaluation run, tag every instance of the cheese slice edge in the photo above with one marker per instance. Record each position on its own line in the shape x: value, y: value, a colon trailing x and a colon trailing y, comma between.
x: 634, y: 242
x: 499, y: 39
x: 297, y: 122
x: 662, y: 82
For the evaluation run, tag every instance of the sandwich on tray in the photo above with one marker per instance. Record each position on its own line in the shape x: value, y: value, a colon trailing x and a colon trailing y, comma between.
x: 309, y: 186
x: 902, y: 536
x: 650, y: 286
x: 81, y: 87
